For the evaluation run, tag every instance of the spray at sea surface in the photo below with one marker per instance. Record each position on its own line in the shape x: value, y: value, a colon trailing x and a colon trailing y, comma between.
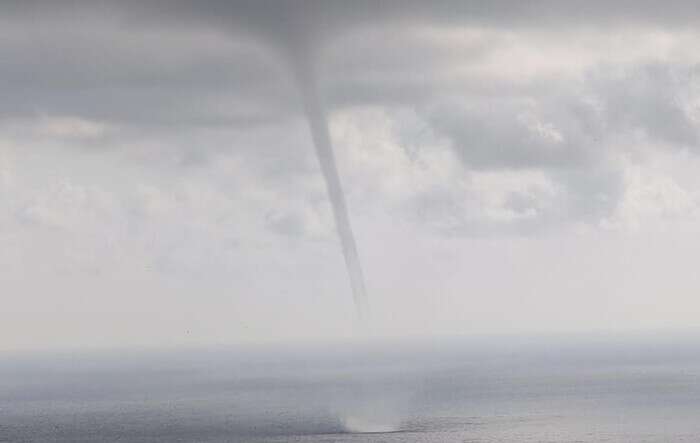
x: 486, y: 390
x: 358, y: 418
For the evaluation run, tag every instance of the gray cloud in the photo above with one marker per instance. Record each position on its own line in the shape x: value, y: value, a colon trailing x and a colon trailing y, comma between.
x: 136, y: 76
x: 174, y: 68
x: 195, y: 63
x: 650, y: 97
x: 160, y: 146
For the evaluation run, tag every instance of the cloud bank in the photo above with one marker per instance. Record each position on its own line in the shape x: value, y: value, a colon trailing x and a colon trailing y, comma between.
x: 162, y: 147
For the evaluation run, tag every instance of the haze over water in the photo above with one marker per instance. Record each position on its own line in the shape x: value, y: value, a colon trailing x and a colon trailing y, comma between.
x: 184, y: 182
x: 508, y: 389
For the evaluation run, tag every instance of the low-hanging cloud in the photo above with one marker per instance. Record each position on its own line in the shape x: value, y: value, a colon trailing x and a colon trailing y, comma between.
x: 167, y: 140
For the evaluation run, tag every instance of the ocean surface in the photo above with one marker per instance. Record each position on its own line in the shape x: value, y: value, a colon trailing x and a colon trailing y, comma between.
x: 600, y: 389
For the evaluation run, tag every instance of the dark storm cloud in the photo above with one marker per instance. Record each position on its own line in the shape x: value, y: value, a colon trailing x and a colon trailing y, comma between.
x: 157, y: 173
x: 101, y: 70
x: 651, y: 97
x: 323, y: 17
x: 224, y: 61
x: 179, y: 65
x: 497, y: 133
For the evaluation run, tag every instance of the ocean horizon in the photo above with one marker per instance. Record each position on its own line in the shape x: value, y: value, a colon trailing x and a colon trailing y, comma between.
x: 499, y: 389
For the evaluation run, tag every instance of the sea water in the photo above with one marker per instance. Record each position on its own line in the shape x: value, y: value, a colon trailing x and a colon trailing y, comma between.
x: 576, y: 389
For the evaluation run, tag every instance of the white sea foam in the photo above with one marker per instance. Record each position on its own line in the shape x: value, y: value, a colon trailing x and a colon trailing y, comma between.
x: 363, y: 425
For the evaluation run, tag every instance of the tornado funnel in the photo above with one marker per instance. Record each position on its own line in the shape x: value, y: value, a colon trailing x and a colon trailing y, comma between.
x: 318, y: 125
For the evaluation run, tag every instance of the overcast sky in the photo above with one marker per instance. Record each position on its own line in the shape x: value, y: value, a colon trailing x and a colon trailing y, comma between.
x: 509, y: 167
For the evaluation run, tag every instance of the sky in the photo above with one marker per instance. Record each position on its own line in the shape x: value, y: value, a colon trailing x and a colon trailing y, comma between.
x: 509, y: 168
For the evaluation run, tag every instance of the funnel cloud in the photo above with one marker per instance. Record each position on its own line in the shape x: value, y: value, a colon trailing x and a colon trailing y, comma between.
x: 504, y: 167
x: 318, y: 125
